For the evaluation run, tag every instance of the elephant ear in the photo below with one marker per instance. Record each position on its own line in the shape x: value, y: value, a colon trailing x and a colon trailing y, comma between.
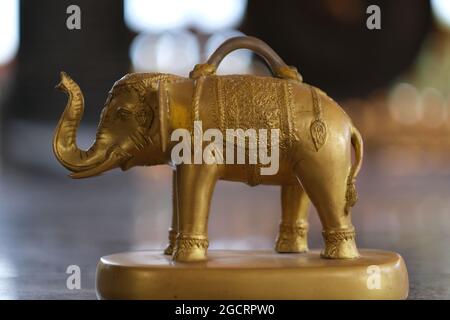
x: 175, y: 104
x: 144, y: 118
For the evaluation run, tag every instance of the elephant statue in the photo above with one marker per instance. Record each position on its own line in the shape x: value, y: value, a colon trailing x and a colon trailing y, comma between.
x: 315, y: 143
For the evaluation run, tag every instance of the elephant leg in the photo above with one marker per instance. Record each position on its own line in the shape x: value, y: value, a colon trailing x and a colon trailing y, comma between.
x: 292, y: 236
x: 195, y: 186
x: 326, y: 185
x: 173, y: 230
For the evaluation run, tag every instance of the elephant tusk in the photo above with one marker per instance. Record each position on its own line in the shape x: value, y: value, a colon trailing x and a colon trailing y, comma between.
x: 114, y: 160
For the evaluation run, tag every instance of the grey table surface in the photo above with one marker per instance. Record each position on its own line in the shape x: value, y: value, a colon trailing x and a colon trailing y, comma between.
x: 48, y: 222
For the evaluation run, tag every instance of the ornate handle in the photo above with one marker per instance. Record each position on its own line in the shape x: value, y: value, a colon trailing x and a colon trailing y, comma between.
x: 277, y: 66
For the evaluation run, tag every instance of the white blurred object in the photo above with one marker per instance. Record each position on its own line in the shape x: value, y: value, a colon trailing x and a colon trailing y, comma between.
x: 210, y: 16
x: 441, y: 10
x: 177, y: 52
x: 155, y: 15
x: 143, y: 53
x: 434, y: 107
x: 172, y: 52
x: 163, y: 15
x: 238, y: 61
x: 9, y: 30
x: 404, y: 105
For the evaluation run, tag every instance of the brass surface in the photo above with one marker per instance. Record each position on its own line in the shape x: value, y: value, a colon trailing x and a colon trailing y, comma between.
x: 316, y: 139
x: 251, y: 275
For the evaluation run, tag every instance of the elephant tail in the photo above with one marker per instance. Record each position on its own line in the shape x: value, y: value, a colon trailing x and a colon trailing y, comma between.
x: 351, y: 196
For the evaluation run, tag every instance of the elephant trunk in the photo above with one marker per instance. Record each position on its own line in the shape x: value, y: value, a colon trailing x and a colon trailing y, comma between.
x: 64, y: 141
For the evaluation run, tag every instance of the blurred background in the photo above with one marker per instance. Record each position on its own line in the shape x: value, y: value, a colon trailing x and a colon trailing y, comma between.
x: 394, y: 82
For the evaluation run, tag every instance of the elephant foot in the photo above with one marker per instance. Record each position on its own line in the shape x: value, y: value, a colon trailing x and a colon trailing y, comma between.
x: 292, y: 239
x: 171, y: 245
x: 340, y: 244
x: 190, y: 248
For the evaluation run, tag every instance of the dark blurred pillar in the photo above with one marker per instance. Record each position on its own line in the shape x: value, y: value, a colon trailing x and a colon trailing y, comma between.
x: 329, y: 43
x: 95, y: 56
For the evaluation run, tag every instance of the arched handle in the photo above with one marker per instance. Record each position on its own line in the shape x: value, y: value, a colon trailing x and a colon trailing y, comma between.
x: 277, y: 66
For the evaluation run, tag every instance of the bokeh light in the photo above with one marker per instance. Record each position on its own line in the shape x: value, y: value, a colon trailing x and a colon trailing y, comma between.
x: 170, y: 52
x: 434, y: 107
x: 206, y: 16
x: 9, y: 28
x: 143, y: 53
x: 210, y: 16
x: 441, y: 10
x: 404, y: 104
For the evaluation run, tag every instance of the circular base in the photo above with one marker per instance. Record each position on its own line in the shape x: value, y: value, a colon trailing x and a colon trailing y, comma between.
x: 252, y: 275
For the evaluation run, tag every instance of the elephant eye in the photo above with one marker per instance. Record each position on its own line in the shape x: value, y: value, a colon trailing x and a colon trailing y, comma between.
x: 123, y: 113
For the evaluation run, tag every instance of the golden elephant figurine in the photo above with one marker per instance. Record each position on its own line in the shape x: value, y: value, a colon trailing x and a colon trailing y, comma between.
x: 315, y: 140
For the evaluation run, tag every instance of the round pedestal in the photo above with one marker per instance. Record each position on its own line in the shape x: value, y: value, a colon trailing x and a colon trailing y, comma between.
x: 252, y: 275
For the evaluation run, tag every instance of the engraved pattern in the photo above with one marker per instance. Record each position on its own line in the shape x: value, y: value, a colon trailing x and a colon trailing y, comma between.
x: 318, y: 133
x: 336, y: 239
x: 186, y: 243
x: 212, y: 90
x: 220, y: 103
x: 292, y: 238
x: 263, y: 103
x: 289, y: 102
x: 351, y: 196
x: 318, y: 128
x: 258, y: 104
x: 289, y: 231
x: 196, y: 99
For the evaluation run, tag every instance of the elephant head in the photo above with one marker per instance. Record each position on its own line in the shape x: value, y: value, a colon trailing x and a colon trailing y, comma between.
x: 128, y: 133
